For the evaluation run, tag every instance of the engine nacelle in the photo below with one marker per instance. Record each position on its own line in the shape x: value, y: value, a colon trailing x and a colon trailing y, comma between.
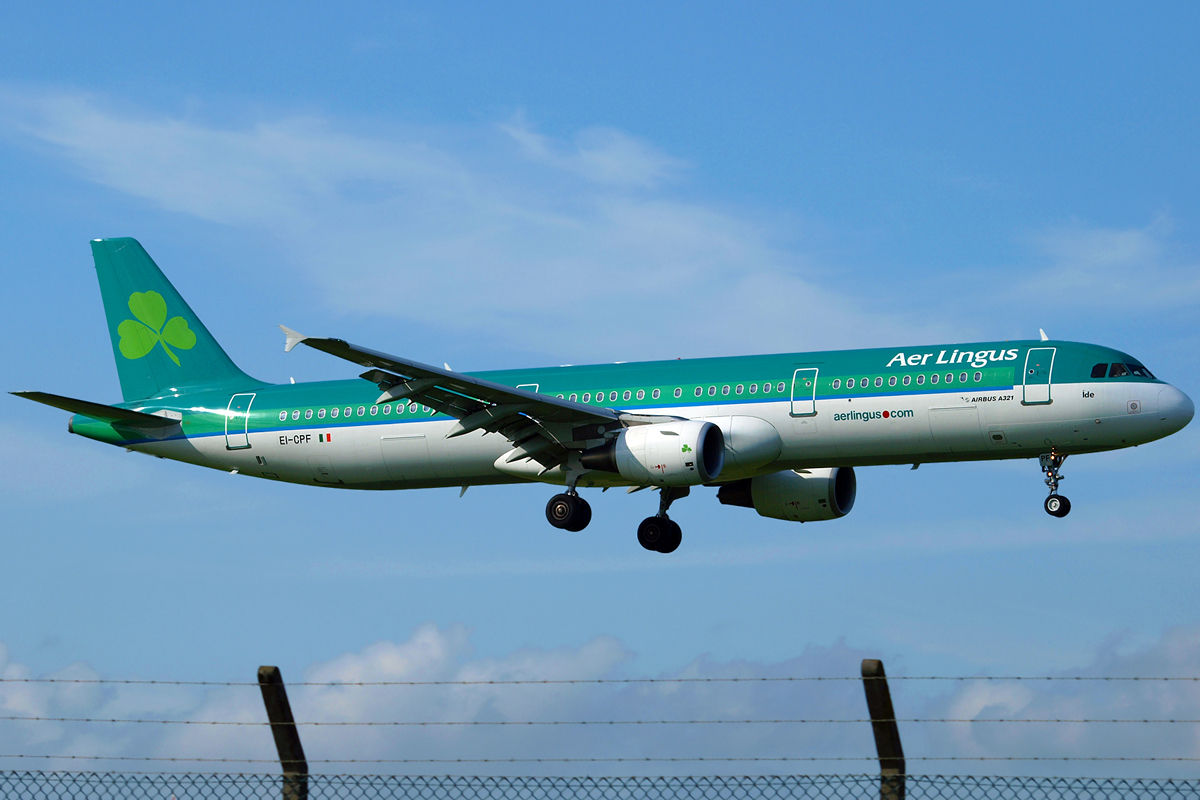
x: 684, y: 453
x: 800, y: 496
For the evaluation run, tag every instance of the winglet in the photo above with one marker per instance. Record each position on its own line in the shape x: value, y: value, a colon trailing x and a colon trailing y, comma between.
x: 1045, y: 338
x: 293, y: 338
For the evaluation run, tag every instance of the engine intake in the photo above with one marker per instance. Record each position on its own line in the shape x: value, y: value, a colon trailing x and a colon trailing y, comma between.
x: 684, y: 453
x: 799, y: 496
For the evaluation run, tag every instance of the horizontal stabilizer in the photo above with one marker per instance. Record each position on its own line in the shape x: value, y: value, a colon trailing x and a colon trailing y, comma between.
x: 99, y: 410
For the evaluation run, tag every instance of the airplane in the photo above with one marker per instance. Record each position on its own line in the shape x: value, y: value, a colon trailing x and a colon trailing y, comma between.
x: 781, y: 434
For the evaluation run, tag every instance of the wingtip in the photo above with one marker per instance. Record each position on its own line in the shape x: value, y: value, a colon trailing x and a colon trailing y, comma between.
x: 293, y: 338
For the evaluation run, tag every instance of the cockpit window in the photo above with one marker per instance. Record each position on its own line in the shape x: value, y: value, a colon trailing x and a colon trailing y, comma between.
x: 1139, y: 371
x: 1118, y: 371
x: 1100, y: 370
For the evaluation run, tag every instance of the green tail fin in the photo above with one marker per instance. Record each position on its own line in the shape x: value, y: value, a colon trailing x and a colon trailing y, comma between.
x: 159, y: 343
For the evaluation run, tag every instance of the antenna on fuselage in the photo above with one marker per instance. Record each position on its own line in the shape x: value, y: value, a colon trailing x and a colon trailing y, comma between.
x: 1045, y: 338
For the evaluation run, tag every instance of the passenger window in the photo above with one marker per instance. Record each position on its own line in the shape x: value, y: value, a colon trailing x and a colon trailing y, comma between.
x: 699, y: 391
x: 361, y: 411
x: 333, y: 413
x: 626, y: 396
x: 374, y: 410
x: 779, y: 387
x: 866, y: 382
x: 837, y: 383
x: 612, y: 397
x: 283, y: 416
x: 738, y: 389
x: 296, y: 414
x: 892, y: 381
x: 320, y: 413
x: 587, y: 397
x: 978, y: 377
x: 308, y: 413
x: 920, y: 380
x: 412, y: 408
x: 1117, y: 371
x: 753, y: 388
x: 1099, y: 370
x: 574, y: 397
x: 655, y: 394
x: 849, y: 383
x: 349, y: 411
x: 712, y: 391
x: 907, y: 380
x: 641, y: 395
x: 878, y: 382
x: 949, y: 377
x: 933, y: 378
x: 725, y: 390
x: 962, y: 377
x: 387, y: 409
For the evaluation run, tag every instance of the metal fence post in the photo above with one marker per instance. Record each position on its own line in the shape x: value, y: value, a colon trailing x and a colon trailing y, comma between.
x: 887, y: 734
x: 287, y: 738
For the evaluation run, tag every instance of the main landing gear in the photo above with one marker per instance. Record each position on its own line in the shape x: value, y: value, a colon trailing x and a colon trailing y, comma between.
x: 569, y: 511
x: 660, y: 533
x: 1056, y: 505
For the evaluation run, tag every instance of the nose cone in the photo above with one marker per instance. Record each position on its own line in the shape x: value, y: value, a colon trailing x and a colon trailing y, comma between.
x: 1175, y: 409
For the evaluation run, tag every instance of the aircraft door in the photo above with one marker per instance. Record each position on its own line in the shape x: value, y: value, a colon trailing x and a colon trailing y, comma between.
x: 1039, y: 366
x: 804, y: 392
x: 237, y: 422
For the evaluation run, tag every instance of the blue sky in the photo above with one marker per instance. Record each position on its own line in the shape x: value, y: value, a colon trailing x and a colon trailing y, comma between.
x: 497, y: 188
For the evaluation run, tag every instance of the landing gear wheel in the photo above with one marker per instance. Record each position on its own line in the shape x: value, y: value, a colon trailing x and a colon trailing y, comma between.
x: 1057, y: 506
x: 673, y: 538
x: 659, y: 534
x: 584, y: 516
x: 652, y: 531
x: 568, y: 512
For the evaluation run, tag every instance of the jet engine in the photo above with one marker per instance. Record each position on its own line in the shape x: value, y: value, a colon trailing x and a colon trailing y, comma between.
x: 684, y: 453
x: 806, y: 495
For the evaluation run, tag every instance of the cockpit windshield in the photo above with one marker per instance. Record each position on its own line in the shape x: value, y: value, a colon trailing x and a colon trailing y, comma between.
x: 1139, y: 371
x: 1122, y: 371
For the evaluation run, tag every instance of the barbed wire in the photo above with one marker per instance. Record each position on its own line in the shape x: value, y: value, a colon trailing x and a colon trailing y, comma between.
x: 484, y: 723
x: 595, y: 759
x: 573, y: 681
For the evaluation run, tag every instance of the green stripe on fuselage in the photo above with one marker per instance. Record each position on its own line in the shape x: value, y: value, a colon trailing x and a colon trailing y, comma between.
x: 771, y: 375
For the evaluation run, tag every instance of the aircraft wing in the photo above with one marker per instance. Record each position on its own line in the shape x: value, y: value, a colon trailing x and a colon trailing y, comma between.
x: 99, y: 411
x: 540, y: 426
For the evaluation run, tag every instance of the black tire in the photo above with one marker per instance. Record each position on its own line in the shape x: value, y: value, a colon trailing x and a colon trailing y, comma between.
x: 652, y: 531
x: 1057, y: 506
x: 562, y: 511
x: 674, y: 537
x: 583, y: 516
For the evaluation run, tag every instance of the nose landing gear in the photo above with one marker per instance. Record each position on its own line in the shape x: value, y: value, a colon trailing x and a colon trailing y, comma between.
x: 1056, y: 505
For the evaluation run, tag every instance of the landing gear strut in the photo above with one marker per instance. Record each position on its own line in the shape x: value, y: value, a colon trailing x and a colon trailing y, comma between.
x: 660, y: 533
x: 1056, y: 505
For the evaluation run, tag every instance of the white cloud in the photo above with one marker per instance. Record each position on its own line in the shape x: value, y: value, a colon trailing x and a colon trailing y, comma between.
x: 502, y: 231
x: 433, y: 654
x: 601, y: 155
x: 1134, y: 269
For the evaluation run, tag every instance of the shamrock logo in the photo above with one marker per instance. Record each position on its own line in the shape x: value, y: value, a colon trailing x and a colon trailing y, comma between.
x: 687, y: 448
x: 152, y: 327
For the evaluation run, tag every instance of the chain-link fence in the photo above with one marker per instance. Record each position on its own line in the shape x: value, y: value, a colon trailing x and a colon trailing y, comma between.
x: 181, y: 786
